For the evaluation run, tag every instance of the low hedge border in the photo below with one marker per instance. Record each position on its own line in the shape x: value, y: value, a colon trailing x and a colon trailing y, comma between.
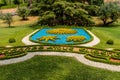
x: 101, y: 60
x: 92, y: 53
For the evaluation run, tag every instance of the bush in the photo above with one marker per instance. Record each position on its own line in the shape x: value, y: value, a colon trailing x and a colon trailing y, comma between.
x: 23, y: 12
x: 12, y: 40
x: 111, y: 42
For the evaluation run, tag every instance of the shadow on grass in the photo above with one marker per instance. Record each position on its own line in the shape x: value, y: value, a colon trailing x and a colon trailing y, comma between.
x: 10, y: 27
x: 108, y: 26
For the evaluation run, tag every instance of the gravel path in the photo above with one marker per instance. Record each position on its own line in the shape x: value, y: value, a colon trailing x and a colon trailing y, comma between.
x: 94, y: 42
x: 79, y: 57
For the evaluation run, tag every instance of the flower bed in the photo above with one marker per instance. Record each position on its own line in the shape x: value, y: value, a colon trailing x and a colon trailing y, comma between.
x: 75, y: 38
x: 61, y: 31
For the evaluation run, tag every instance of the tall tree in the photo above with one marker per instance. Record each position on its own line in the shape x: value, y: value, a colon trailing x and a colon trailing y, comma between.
x: 63, y: 13
x: 23, y: 12
x: 109, y: 12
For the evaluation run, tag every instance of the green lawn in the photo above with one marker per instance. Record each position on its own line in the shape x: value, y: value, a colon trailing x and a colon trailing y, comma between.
x: 54, y: 68
x: 17, y: 32
x: 106, y: 33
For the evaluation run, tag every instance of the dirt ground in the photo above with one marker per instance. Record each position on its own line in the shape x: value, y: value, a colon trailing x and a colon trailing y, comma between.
x: 12, y: 10
x: 17, y: 20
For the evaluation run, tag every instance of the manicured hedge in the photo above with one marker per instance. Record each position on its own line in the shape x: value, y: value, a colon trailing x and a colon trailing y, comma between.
x: 90, y: 53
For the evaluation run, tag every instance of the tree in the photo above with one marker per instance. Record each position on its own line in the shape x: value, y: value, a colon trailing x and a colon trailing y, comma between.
x: 109, y: 12
x: 17, y: 2
x: 8, y: 18
x: 54, y: 12
x: 2, y: 3
x: 30, y: 3
x: 96, y: 2
x: 23, y: 12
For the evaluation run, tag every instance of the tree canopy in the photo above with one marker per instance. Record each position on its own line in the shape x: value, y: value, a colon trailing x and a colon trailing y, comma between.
x: 61, y: 12
x: 109, y: 12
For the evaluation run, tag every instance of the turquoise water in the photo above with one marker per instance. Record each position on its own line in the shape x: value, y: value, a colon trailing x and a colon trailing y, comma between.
x: 62, y: 38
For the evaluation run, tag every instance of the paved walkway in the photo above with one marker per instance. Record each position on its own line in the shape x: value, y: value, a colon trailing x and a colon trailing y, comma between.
x: 79, y: 57
x: 26, y: 40
x: 94, y: 42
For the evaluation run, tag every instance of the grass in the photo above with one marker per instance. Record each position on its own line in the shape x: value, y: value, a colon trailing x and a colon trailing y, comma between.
x: 54, y: 68
x: 12, y: 6
x: 19, y: 30
x: 106, y: 33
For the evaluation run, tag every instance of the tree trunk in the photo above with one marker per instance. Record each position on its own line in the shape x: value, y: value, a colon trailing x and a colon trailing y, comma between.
x: 9, y: 25
x: 104, y: 21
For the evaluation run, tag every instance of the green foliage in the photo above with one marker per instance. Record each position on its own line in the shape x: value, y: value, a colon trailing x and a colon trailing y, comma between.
x: 7, y: 18
x: 5, y: 4
x: 109, y: 12
x: 47, y: 18
x: 23, y: 12
x: 2, y: 3
x: 95, y: 2
x: 12, y: 40
x: 111, y: 42
x: 92, y: 9
x: 17, y: 2
x: 61, y: 12
x: 90, y: 53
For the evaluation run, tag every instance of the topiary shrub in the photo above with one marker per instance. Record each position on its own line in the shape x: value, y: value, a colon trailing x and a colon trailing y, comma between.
x: 111, y: 42
x: 12, y: 40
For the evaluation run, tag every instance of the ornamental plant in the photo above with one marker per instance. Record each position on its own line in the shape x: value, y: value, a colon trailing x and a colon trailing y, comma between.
x: 47, y: 38
x: 61, y: 31
x: 75, y: 38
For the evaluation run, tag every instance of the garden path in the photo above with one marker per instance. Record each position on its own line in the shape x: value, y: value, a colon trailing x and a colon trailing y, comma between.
x: 79, y: 57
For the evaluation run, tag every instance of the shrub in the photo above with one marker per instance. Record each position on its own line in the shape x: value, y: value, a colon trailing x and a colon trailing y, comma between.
x: 111, y: 42
x: 23, y: 12
x: 12, y: 40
